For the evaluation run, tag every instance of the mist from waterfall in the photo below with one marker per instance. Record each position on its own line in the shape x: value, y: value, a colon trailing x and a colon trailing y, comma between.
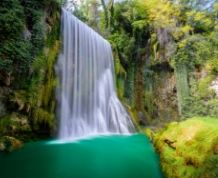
x: 87, y: 99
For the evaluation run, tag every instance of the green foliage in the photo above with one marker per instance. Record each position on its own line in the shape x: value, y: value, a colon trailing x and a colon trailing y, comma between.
x: 192, y: 51
x: 11, y: 19
x: 152, y: 32
x: 22, y: 38
x: 202, y: 96
x: 38, y: 101
x: 199, y: 21
x: 211, y: 163
x: 203, y: 87
x: 38, y: 35
x: 195, y: 51
x: 149, y: 33
x: 43, y: 117
x: 15, y: 57
x: 28, y: 50
x: 200, y: 107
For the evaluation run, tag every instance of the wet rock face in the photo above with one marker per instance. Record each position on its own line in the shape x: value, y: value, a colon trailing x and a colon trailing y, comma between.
x: 142, y: 119
x: 165, y: 95
x: 9, y: 144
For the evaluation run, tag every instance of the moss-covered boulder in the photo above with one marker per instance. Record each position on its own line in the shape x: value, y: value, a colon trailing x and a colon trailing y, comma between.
x: 9, y: 144
x: 189, y: 149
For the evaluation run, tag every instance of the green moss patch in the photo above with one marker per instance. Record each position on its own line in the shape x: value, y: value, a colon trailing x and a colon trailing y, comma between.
x: 189, y: 149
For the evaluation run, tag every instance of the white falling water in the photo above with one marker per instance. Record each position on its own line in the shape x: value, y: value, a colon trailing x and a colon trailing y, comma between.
x: 88, y: 103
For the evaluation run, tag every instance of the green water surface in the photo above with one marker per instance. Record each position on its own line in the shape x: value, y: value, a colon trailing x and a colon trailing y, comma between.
x: 100, y: 157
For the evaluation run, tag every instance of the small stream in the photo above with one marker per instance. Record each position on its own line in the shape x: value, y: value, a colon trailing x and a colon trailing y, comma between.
x: 113, y: 156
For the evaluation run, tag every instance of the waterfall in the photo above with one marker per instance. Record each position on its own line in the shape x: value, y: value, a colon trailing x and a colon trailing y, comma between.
x: 87, y: 99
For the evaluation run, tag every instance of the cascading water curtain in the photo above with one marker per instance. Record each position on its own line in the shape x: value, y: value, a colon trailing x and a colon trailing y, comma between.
x: 88, y: 103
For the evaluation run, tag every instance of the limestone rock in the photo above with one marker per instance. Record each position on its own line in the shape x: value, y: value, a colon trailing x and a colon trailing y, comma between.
x: 214, y: 86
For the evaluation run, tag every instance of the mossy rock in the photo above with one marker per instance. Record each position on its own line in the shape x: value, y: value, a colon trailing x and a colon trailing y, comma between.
x: 189, y: 149
x: 14, y: 123
x: 9, y: 144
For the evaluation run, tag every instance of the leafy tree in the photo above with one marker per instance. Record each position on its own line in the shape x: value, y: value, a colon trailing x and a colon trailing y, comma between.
x: 15, y: 55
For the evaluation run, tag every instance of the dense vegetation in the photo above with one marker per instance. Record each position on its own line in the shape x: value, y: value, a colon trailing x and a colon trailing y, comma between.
x: 165, y: 54
x: 29, y: 46
x: 166, y: 64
